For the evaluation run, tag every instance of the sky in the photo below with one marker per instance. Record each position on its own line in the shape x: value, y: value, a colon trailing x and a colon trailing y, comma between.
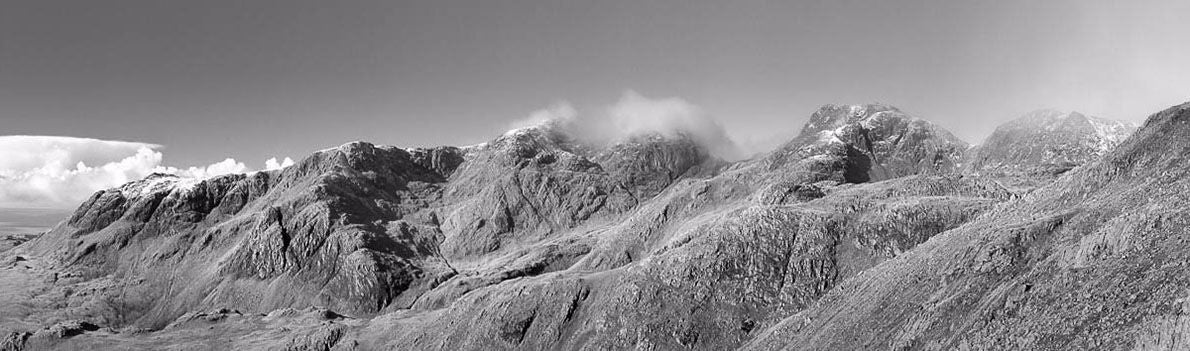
x: 231, y: 83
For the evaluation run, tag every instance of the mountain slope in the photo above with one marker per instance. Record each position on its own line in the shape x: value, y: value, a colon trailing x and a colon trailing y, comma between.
x: 1094, y: 261
x: 303, y: 236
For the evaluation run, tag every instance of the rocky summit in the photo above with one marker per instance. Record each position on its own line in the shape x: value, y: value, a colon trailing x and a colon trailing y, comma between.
x: 1045, y: 144
x: 871, y: 229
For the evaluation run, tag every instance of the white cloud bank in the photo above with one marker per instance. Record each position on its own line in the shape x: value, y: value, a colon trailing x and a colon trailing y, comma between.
x: 272, y: 164
x: 635, y: 114
x: 61, y: 172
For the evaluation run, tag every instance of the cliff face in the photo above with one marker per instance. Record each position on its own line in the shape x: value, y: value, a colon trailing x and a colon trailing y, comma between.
x: 533, y: 240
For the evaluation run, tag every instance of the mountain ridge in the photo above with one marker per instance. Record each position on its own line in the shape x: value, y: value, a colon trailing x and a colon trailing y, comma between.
x: 483, y: 247
x: 1024, y: 269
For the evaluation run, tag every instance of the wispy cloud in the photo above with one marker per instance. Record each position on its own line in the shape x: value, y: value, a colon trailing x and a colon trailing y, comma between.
x: 635, y: 114
x: 558, y: 113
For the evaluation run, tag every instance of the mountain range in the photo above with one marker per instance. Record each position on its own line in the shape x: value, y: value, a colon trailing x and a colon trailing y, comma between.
x: 871, y: 229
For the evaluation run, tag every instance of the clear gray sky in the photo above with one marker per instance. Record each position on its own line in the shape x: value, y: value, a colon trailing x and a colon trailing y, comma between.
x: 253, y: 79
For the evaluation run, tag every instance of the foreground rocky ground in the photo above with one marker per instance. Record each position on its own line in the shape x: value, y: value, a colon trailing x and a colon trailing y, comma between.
x: 870, y: 230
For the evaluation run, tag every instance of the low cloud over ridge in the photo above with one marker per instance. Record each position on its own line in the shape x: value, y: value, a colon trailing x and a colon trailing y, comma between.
x: 635, y: 114
x: 61, y: 172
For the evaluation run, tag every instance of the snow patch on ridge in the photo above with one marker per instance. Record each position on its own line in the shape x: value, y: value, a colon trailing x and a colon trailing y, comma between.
x: 154, y: 184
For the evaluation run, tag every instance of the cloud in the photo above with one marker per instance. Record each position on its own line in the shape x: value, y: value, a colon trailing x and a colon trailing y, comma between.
x: 46, y: 172
x: 559, y: 113
x: 61, y: 172
x: 227, y: 166
x: 272, y: 164
x: 634, y: 114
x: 30, y: 152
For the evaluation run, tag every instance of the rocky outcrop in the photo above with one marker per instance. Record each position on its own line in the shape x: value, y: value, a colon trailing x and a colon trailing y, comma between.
x: 442, y: 160
x: 49, y: 337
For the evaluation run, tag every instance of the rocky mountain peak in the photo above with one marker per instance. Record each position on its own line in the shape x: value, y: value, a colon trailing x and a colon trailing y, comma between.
x: 542, y: 147
x: 1047, y: 142
x: 832, y: 116
x: 648, y: 162
x: 156, y: 182
x: 873, y: 142
x: 1110, y: 130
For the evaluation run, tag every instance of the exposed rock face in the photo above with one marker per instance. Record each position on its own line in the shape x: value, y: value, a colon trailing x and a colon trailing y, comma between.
x: 522, y: 187
x: 877, y: 142
x: 1046, y: 143
x: 647, y: 164
x: 1089, y: 262
x: 441, y: 160
x: 46, y: 338
x: 537, y: 241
